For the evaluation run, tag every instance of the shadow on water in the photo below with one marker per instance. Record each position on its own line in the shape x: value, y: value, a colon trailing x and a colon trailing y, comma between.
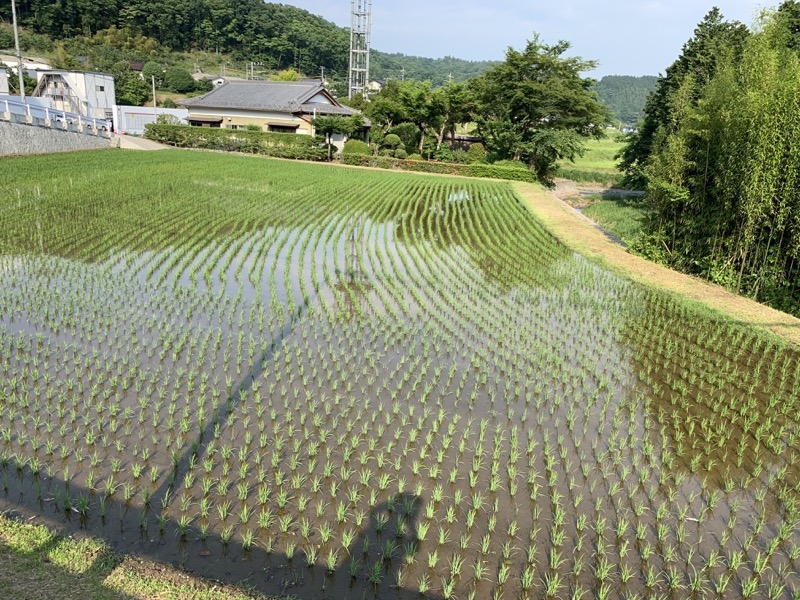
x: 370, y: 567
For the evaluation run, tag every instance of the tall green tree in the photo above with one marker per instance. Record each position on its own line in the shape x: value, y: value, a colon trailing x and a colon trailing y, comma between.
x: 724, y: 183
x: 712, y: 38
x: 536, y: 107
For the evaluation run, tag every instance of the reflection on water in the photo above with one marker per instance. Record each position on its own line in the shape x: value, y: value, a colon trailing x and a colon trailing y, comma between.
x: 387, y: 397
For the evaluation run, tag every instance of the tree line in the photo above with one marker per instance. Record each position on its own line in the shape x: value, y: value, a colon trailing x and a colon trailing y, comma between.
x: 718, y: 152
x: 625, y: 96
x: 532, y: 110
x: 278, y: 36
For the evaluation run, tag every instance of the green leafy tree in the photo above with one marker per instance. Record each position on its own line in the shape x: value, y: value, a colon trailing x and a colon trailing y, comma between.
x: 179, y: 80
x: 153, y: 69
x: 453, y: 102
x: 330, y: 125
x: 712, y: 38
x: 537, y: 108
x: 625, y: 96
x: 724, y: 176
x: 130, y: 89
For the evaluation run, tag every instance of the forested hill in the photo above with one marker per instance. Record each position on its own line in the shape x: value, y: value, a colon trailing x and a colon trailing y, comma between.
x: 626, y: 96
x: 278, y: 35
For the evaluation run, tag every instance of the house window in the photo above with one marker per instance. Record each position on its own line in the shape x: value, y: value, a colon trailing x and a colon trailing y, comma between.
x: 282, y: 129
x: 101, y: 88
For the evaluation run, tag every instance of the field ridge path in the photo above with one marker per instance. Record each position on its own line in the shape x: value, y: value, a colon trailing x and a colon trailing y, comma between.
x: 581, y: 235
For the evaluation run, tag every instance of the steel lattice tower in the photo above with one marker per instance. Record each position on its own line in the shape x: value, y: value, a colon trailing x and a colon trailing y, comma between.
x: 360, y: 37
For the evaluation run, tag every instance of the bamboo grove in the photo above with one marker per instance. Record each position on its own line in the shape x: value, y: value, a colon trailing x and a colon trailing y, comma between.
x: 378, y: 385
x: 721, y: 158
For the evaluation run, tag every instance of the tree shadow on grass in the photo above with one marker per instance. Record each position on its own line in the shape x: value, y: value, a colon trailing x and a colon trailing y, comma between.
x: 39, y: 571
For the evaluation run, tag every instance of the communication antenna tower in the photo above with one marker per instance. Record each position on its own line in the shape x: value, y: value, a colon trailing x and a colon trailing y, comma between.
x: 360, y: 38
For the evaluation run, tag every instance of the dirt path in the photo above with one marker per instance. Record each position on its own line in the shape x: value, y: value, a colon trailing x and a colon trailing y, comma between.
x: 127, y: 142
x: 581, y: 235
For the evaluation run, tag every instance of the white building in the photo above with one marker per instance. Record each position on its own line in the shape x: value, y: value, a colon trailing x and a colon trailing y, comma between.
x: 3, y: 81
x: 79, y: 92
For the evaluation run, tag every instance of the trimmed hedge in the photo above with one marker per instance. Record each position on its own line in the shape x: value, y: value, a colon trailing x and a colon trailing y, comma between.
x: 278, y: 145
x: 357, y: 147
x: 422, y: 166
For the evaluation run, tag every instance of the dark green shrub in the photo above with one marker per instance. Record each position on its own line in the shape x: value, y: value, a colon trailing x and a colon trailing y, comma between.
x: 409, y: 134
x: 179, y: 80
x: 477, y: 153
x: 279, y: 145
x: 357, y: 147
x: 401, y: 154
x: 511, y: 164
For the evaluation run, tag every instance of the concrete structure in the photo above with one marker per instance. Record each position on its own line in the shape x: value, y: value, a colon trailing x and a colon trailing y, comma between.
x: 132, y: 119
x: 29, y: 64
x: 81, y: 92
x: 38, y: 112
x: 360, y: 44
x: 17, y: 138
x: 277, y: 106
x: 3, y: 81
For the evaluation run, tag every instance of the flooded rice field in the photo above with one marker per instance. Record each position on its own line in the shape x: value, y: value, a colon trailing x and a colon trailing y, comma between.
x: 333, y: 383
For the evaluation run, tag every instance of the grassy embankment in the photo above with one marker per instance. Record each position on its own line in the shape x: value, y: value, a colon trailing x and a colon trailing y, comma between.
x: 597, y: 165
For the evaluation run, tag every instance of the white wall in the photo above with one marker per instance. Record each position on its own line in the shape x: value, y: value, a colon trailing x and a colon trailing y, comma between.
x: 132, y: 119
x: 3, y: 82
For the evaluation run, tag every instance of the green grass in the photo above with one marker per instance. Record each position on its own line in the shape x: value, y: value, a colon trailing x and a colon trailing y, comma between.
x: 624, y: 217
x: 597, y: 163
x: 36, y: 563
x: 599, y: 155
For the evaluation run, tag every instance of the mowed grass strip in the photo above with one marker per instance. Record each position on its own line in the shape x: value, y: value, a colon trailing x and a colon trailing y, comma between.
x: 36, y: 563
x: 579, y: 235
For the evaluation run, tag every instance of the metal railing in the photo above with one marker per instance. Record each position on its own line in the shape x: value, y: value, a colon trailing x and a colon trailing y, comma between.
x: 17, y: 111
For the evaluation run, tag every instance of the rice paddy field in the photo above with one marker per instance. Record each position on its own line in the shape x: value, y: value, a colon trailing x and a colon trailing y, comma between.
x: 336, y: 383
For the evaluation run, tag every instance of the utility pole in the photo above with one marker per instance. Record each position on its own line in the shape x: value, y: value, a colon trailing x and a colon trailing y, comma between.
x: 403, y: 75
x: 323, y: 74
x: 155, y: 106
x: 19, y: 52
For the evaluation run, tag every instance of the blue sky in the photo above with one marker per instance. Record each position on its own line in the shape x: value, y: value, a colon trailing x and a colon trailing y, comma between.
x: 627, y: 37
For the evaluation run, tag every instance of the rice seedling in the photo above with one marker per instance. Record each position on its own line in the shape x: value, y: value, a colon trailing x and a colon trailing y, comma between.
x: 384, y: 356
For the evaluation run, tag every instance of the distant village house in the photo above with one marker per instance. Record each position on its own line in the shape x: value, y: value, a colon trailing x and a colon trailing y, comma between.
x: 275, y: 106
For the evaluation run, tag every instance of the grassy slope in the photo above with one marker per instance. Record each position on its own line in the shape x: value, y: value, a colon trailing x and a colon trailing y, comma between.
x: 582, y: 237
x: 597, y: 163
x: 624, y: 217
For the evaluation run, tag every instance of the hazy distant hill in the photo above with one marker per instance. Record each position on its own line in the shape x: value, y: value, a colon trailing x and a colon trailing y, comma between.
x: 625, y: 96
x: 278, y: 36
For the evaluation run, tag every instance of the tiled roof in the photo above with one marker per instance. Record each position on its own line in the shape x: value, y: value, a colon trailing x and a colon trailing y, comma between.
x: 326, y: 109
x: 278, y: 96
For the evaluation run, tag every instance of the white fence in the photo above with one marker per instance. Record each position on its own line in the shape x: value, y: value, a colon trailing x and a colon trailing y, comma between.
x: 14, y: 110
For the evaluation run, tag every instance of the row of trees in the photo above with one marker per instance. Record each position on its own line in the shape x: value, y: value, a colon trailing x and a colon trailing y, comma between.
x: 534, y: 108
x: 625, y: 96
x: 719, y: 154
x: 277, y: 35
